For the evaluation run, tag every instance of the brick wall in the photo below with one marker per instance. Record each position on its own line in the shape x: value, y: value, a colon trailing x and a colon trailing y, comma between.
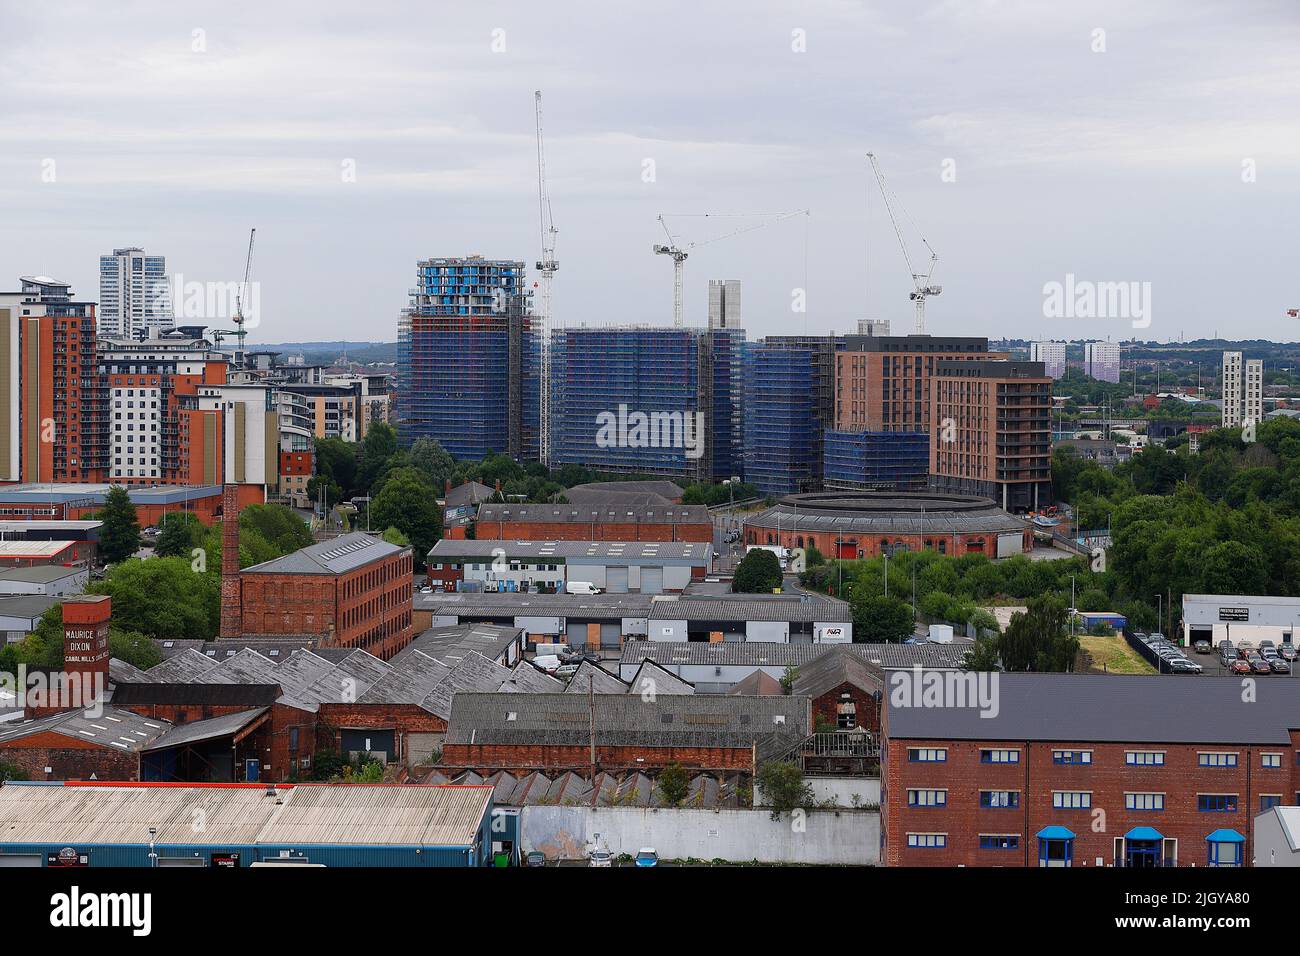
x: 825, y: 709
x: 69, y: 759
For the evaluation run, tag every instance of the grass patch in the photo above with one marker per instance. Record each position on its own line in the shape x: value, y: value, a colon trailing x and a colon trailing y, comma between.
x: 1112, y: 655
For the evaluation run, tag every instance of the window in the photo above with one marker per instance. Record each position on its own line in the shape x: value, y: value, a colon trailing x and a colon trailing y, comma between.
x: 1071, y: 799
x: 1144, y: 758
x: 1224, y: 853
x: 928, y: 841
x: 927, y: 754
x: 1144, y: 801
x: 1216, y: 802
x: 999, y: 756
x: 1270, y: 760
x: 1267, y: 801
x: 927, y: 798
x: 999, y: 841
x: 1217, y: 759
x: 1072, y: 756
x: 1000, y: 799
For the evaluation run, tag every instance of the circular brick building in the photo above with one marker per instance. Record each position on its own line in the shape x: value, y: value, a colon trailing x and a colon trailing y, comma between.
x: 863, y: 524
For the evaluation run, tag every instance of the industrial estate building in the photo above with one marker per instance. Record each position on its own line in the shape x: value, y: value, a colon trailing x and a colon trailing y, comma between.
x: 617, y: 567
x: 615, y: 521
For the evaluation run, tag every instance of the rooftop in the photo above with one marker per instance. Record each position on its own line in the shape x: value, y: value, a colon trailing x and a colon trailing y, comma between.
x: 1113, y: 709
x: 335, y: 556
x: 670, y: 514
x: 779, y: 654
x: 751, y: 607
x: 30, y: 606
x: 39, y: 574
x: 450, y: 645
x: 868, y: 512
x: 561, y: 551
x: 66, y: 492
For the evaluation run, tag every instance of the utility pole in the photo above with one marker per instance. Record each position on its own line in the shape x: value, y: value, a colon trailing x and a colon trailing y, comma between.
x: 591, y: 712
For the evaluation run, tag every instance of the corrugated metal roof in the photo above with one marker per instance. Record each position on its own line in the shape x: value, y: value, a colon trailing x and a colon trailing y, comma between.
x: 183, y: 668
x: 750, y: 608
x: 595, y: 679
x: 409, y: 681
x: 526, y: 679
x: 473, y: 673
x: 651, y: 679
x: 112, y: 728
x: 451, y: 645
x: 780, y: 654
x: 344, y: 815
x: 485, y: 549
x: 335, y: 556
x: 210, y: 729
x: 669, y: 514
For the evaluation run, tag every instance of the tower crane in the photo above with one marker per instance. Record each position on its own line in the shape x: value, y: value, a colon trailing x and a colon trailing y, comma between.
x: 546, y: 266
x: 242, y: 294
x: 680, y: 253
x: 920, y: 280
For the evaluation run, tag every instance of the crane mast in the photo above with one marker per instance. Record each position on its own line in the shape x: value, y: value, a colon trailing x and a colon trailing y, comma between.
x: 546, y: 266
x: 920, y: 280
x: 239, y: 332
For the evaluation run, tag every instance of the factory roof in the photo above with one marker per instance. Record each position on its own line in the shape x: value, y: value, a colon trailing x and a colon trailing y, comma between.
x: 780, y: 654
x: 118, y: 729
x: 560, y: 552
x: 41, y: 573
x: 473, y: 673
x: 675, y: 720
x: 502, y: 604
x: 305, y: 814
x: 66, y: 492
x: 450, y: 645
x: 238, y: 724
x: 593, y: 678
x: 616, y: 513
x: 869, y: 513
x: 526, y: 679
x: 839, y: 665
x: 751, y: 608
x: 26, y: 606
x: 338, y: 555
x: 33, y: 550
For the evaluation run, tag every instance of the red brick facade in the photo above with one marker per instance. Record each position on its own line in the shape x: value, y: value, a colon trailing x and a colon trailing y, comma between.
x: 402, y: 719
x: 852, y: 546
x: 866, y: 709
x: 1107, y: 778
x: 69, y: 759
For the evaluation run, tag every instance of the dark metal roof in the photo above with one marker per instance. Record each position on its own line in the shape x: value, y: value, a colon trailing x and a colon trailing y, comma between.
x: 778, y: 654
x: 750, y: 607
x: 869, y: 513
x: 617, y: 513
x: 682, y: 720
x: 238, y: 695
x: 1110, y: 709
x: 595, y: 679
x: 837, y: 666
x: 335, y: 556
x: 451, y: 645
x: 596, y: 606
x: 213, y: 728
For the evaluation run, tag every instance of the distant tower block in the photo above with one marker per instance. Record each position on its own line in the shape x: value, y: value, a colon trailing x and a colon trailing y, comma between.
x: 875, y: 327
x: 724, y: 304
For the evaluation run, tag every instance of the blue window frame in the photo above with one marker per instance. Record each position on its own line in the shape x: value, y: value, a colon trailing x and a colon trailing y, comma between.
x: 1216, y: 760
x: 999, y: 756
x: 1006, y: 841
x: 1072, y: 756
x: 927, y: 841
x: 1217, y: 802
x: 1224, y: 853
x: 927, y: 798
x: 1000, y: 799
x: 1053, y: 852
x: 927, y: 754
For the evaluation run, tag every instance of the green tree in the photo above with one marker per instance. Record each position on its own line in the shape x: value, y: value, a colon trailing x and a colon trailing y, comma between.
x: 982, y: 656
x: 783, y: 788
x: 277, y: 525
x: 134, y: 648
x: 788, y: 678
x: 408, y: 503
x: 880, y: 619
x: 432, y: 459
x: 119, y: 538
x: 759, y: 572
x: 164, y: 598
x: 11, y: 771
x: 1039, y: 639
x: 674, y: 784
x: 393, y: 536
x: 181, y: 533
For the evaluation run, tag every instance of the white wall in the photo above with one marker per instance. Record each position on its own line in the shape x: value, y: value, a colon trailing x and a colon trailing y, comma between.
x: 840, y: 789
x: 822, y: 836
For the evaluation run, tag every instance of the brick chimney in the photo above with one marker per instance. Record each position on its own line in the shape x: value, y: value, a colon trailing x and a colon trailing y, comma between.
x: 232, y: 599
x: 84, y: 678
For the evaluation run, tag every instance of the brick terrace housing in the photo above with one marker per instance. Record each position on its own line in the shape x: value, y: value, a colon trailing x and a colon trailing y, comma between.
x: 1086, y: 770
x: 613, y: 522
x: 354, y: 590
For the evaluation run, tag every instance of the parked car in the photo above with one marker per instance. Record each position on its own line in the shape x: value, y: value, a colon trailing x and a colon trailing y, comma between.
x: 1266, y: 644
x: 1259, y: 666
x: 601, y: 858
x: 1286, y: 652
x: 535, y: 858
x: 1202, y: 646
x: 579, y: 656
x: 565, y: 671
x: 1181, y: 665
x: 1279, y: 666
x: 547, y: 663
x: 1240, y: 666
x: 646, y: 856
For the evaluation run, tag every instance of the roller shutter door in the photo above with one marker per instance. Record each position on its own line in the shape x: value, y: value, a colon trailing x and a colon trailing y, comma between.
x: 616, y: 580
x: 652, y: 580
x: 610, y: 636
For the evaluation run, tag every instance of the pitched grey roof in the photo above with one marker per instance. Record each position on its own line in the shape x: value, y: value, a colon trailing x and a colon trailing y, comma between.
x: 113, y: 728
x: 668, y: 490
x: 451, y: 645
x: 470, y: 493
x: 409, y: 681
x: 594, y: 678
x: 758, y: 683
x: 120, y: 671
x: 182, y: 668
x: 526, y: 679
x: 611, y: 607
x: 300, y: 670
x: 683, y: 720
x: 246, y: 667
x: 837, y: 666
x: 349, y: 679
x: 210, y: 729
x: 751, y: 608
x: 652, y: 679
x: 614, y: 512
x: 474, y: 673
x: 780, y: 654
x: 335, y: 556
x: 30, y: 606
x: 1109, y: 709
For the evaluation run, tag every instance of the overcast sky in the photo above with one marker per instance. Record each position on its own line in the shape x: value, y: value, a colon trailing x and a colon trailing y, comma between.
x: 1164, y: 149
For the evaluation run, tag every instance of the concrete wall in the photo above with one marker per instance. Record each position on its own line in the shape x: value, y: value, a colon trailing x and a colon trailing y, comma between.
x: 768, y: 631
x: 827, y: 837
x: 840, y: 789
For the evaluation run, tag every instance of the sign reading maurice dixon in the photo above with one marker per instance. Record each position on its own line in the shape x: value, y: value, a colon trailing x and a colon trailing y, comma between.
x: 85, y: 645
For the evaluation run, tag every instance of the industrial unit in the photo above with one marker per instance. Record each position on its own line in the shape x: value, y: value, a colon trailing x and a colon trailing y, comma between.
x: 618, y: 567
x: 142, y: 825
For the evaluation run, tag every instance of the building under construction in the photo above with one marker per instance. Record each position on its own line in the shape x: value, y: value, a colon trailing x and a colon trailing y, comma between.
x: 468, y: 361
x: 647, y: 400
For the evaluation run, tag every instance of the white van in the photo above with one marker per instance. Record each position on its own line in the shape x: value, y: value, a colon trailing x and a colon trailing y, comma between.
x: 580, y: 587
x: 553, y: 650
